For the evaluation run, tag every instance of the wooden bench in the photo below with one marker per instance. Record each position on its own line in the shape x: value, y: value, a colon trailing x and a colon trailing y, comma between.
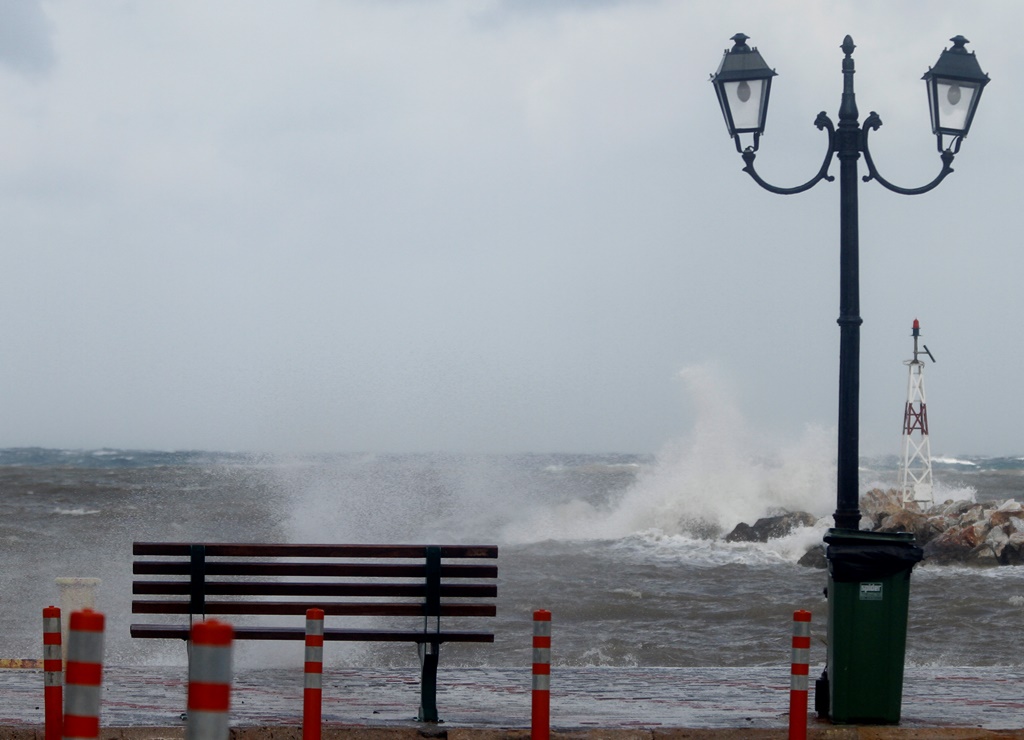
x: 412, y: 585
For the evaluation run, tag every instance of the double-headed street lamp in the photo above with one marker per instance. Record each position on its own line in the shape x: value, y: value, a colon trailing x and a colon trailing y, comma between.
x: 743, y: 84
x: 869, y: 573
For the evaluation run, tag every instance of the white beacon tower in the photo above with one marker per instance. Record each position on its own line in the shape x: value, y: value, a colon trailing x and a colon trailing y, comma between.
x: 916, y: 468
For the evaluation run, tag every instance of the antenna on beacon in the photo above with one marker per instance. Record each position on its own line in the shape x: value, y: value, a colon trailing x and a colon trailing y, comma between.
x: 916, y: 467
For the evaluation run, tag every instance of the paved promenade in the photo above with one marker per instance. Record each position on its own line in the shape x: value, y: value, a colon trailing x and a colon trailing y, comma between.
x: 753, y: 701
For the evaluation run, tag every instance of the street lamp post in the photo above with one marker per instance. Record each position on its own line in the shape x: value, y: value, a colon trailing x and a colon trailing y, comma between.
x: 743, y: 84
x: 869, y: 572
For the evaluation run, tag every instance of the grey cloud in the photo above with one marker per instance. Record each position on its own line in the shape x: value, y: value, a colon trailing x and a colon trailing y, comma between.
x: 25, y: 37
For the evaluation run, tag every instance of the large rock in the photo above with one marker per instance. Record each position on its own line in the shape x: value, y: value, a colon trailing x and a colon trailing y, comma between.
x: 955, y: 545
x: 1010, y: 512
x: 877, y: 505
x: 975, y: 514
x: 922, y: 527
x: 770, y: 527
x: 955, y: 508
x: 814, y: 558
x: 1015, y: 549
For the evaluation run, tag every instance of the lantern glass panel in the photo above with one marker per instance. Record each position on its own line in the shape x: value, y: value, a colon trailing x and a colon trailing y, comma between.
x: 746, y: 99
x: 955, y: 101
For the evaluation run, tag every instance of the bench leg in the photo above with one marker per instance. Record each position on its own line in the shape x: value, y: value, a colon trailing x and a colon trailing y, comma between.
x: 428, y: 681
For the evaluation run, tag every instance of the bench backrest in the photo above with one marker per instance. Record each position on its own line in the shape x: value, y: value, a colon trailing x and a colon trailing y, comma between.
x: 369, y: 580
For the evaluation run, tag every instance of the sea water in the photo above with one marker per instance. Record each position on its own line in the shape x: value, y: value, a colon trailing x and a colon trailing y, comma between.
x: 626, y: 551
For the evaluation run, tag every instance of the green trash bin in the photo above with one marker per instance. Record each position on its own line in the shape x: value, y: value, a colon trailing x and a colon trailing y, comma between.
x: 868, y: 596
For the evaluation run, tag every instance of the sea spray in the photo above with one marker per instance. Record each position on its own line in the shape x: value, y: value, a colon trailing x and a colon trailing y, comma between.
x: 703, y: 484
x: 700, y: 485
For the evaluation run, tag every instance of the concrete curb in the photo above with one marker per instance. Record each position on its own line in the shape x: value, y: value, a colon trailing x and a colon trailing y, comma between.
x: 439, y: 733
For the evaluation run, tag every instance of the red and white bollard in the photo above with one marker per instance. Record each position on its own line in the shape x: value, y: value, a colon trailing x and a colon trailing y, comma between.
x: 312, y: 695
x: 540, y: 727
x: 209, y: 681
x: 800, y: 661
x: 53, y: 674
x: 84, y: 675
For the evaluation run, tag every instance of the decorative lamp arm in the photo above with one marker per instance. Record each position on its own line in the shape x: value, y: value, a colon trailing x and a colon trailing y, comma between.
x: 872, y: 123
x: 822, y: 122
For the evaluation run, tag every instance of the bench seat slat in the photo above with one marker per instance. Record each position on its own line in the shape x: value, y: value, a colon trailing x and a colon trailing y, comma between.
x: 250, y: 568
x: 337, y: 608
x: 324, y: 570
x: 181, y: 632
x: 285, y: 550
x: 277, y: 588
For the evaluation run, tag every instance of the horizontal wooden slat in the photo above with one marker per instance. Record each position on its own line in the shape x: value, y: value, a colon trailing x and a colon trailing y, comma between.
x: 331, y: 608
x: 287, y: 550
x: 251, y: 568
x: 163, y: 631
x: 291, y: 588
x: 322, y: 570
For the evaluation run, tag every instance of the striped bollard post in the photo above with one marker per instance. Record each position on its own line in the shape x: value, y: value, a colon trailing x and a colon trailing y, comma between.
x: 800, y: 660
x: 540, y: 726
x: 84, y: 675
x: 53, y: 674
x: 209, y: 681
x: 312, y: 695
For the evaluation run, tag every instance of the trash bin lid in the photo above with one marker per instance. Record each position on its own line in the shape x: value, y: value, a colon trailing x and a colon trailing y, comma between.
x: 866, y: 556
x: 856, y: 536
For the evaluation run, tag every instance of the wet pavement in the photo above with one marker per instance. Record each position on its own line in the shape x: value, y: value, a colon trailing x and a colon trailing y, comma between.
x: 498, y: 698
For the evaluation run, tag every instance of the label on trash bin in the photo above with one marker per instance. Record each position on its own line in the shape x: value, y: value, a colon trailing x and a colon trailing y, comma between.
x: 871, y: 592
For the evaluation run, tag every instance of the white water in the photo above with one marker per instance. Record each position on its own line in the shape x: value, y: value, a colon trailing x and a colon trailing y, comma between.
x: 697, y: 487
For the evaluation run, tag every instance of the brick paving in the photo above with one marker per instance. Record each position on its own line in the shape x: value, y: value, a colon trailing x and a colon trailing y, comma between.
x: 498, y: 698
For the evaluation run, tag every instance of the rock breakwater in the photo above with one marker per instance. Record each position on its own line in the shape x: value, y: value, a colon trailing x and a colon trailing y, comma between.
x: 985, y: 534
x: 990, y: 533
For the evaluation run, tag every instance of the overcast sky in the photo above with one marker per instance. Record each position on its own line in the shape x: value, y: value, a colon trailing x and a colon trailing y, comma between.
x: 486, y: 225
